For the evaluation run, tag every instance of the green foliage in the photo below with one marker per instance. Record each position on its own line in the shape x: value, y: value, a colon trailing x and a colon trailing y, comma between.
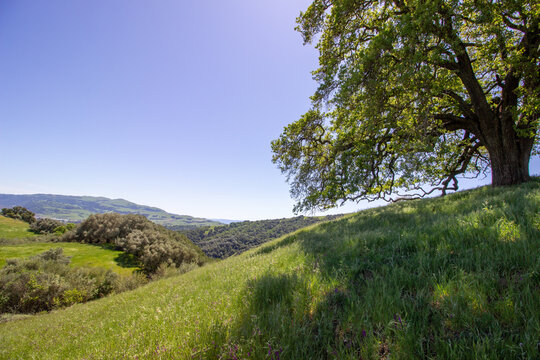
x: 62, y: 229
x: 412, y: 94
x: 154, y: 248
x: 434, y: 278
x: 235, y: 238
x: 149, y: 243
x: 19, y: 213
x: 49, y: 226
x: 106, y: 228
x: 46, y: 281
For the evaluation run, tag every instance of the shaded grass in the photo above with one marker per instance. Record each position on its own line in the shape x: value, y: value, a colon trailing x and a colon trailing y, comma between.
x: 81, y: 255
x: 12, y: 228
x: 445, y: 278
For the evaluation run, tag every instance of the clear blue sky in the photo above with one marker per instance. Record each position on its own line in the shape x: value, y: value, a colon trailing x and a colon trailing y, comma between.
x: 165, y: 103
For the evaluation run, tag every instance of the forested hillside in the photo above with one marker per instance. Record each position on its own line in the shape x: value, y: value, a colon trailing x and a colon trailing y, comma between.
x: 226, y: 240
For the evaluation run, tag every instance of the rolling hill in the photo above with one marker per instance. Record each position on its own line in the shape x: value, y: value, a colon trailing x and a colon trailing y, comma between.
x: 78, y: 208
x: 445, y: 278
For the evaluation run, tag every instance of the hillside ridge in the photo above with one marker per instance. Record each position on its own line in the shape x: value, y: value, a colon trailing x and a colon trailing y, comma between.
x: 74, y: 208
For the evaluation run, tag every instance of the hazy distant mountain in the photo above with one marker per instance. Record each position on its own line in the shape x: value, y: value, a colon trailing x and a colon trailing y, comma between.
x: 226, y: 221
x: 78, y: 208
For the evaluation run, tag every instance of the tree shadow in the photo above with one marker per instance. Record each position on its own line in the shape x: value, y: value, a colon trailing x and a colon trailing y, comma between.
x: 123, y: 259
x: 126, y: 260
x: 426, y: 278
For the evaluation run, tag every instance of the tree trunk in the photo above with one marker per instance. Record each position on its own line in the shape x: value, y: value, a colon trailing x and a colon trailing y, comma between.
x: 509, y: 156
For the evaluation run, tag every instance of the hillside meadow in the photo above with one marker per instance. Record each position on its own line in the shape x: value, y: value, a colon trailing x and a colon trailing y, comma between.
x: 456, y: 277
x: 12, y: 228
x: 81, y: 255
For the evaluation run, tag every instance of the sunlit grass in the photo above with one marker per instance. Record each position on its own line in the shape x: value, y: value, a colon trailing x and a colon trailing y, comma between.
x: 11, y: 228
x: 81, y: 255
x: 447, y: 278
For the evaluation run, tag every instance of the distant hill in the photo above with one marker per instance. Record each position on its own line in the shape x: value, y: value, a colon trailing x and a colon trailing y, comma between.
x: 78, y: 208
x: 226, y: 221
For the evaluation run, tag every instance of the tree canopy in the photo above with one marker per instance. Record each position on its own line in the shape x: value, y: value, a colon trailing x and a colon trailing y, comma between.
x: 412, y: 94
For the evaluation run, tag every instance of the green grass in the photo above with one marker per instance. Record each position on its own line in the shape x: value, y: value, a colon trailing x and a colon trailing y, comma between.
x: 82, y: 255
x: 11, y: 228
x: 448, y: 278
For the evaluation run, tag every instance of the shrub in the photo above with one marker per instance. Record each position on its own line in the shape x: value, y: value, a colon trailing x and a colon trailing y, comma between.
x: 64, y: 228
x: 20, y: 213
x: 45, y: 226
x: 154, y: 248
x: 151, y: 244
x: 106, y: 228
x: 46, y: 281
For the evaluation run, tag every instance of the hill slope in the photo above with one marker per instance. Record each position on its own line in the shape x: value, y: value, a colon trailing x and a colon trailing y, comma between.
x: 235, y: 238
x: 447, y: 278
x: 12, y: 228
x: 78, y: 208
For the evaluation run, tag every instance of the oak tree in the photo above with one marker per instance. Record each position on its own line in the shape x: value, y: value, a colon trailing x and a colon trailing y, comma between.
x: 413, y: 93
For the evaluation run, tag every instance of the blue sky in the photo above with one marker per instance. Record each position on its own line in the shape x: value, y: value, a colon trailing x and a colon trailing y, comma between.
x: 165, y: 103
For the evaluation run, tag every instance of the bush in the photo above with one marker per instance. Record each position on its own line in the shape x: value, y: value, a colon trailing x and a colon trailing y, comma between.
x: 64, y: 228
x: 46, y: 226
x: 151, y: 244
x: 20, y: 213
x: 46, y: 281
x: 106, y: 228
x: 154, y: 248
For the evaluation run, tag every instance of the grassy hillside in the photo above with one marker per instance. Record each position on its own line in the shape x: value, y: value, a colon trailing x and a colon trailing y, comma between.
x: 11, y: 228
x: 78, y: 208
x: 447, y: 278
x: 81, y: 255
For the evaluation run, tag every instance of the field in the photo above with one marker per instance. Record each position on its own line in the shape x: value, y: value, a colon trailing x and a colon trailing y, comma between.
x: 447, y: 278
x: 11, y: 228
x: 82, y: 255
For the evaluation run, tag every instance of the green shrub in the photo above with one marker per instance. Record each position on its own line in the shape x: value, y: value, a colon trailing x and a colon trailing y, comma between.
x: 20, y: 213
x: 64, y: 228
x: 46, y: 281
x: 151, y: 244
x: 45, y: 226
x: 106, y: 228
x: 154, y: 248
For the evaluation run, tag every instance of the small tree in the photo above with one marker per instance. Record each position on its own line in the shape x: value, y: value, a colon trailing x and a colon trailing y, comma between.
x: 412, y: 94
x: 45, y: 226
x: 20, y: 213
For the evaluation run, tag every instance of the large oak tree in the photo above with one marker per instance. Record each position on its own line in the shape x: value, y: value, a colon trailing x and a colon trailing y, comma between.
x: 413, y: 93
